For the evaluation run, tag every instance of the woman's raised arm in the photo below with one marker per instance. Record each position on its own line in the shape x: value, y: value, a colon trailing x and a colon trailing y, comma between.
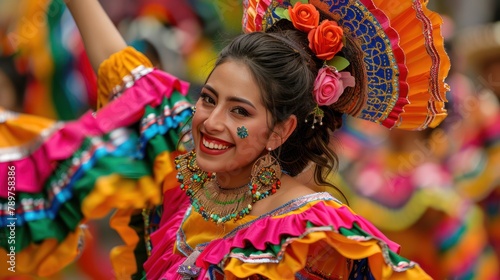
x: 100, y: 36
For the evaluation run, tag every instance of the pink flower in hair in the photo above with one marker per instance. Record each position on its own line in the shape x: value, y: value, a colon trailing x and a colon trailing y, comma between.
x: 330, y: 84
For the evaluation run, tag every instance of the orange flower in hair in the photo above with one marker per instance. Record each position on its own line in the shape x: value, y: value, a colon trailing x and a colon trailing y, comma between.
x: 326, y: 40
x: 305, y: 17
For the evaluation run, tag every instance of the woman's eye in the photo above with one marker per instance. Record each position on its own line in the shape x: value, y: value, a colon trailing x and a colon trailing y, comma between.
x: 241, y: 111
x: 207, y: 98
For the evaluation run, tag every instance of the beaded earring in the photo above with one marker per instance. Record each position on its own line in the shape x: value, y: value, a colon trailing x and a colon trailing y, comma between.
x: 266, y: 171
x: 221, y: 205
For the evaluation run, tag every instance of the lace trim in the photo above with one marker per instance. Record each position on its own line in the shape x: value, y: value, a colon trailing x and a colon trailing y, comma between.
x: 129, y: 80
x: 292, y: 205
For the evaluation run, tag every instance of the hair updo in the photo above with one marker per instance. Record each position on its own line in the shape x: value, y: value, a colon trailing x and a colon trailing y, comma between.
x: 285, y: 69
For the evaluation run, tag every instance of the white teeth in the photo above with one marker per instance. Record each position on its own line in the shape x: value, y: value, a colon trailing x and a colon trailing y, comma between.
x: 213, y: 146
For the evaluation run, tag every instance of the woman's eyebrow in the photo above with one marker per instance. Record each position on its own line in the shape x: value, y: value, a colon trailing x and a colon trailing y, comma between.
x: 231, y: 98
x: 242, y: 100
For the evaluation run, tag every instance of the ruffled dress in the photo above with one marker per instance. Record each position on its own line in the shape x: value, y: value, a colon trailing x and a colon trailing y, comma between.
x: 312, y: 237
x: 59, y: 175
x: 475, y: 165
x: 475, y: 168
x: 118, y: 157
x: 412, y: 197
x: 437, y: 227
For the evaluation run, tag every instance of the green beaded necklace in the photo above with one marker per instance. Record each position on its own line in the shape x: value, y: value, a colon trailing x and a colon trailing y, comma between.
x: 221, y: 205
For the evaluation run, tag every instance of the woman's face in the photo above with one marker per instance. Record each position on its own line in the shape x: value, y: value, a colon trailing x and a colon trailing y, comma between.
x: 230, y: 99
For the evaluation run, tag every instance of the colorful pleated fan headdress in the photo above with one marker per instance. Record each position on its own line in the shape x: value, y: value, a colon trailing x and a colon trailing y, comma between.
x: 398, y: 45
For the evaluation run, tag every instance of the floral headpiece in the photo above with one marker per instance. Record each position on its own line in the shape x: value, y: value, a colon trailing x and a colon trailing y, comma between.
x: 397, y: 54
x: 326, y: 40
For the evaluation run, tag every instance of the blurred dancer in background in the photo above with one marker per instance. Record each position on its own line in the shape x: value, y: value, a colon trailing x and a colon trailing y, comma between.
x: 401, y: 183
x: 476, y: 165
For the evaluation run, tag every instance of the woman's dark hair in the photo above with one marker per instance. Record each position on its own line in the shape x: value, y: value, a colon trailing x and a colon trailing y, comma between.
x: 285, y: 69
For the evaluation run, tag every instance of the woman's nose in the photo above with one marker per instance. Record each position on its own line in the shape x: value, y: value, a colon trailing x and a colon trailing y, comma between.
x: 215, y: 121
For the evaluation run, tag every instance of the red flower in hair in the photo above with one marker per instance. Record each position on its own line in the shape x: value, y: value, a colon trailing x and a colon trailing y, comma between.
x: 326, y: 40
x: 305, y: 17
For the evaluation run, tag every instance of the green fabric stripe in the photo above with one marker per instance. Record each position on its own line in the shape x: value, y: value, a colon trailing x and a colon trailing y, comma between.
x: 69, y: 215
x: 169, y: 141
x: 357, y: 231
x: 274, y: 249
x: 62, y: 60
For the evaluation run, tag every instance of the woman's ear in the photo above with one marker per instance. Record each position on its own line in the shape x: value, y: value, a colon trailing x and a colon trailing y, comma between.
x: 281, y: 132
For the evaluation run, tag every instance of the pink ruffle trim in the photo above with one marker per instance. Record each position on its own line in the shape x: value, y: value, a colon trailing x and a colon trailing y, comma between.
x: 34, y: 170
x: 271, y: 230
x: 163, y: 263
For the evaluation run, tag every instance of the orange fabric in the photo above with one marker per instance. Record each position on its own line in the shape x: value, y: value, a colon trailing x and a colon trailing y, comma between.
x: 22, y: 129
x: 116, y: 192
x: 424, y: 106
x: 122, y: 257
x: 163, y: 166
x: 295, y: 257
x: 113, y: 69
x: 199, y: 231
x: 44, y: 259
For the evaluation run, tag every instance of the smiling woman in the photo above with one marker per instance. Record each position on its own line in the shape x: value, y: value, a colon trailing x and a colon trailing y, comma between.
x: 234, y: 209
x: 230, y: 99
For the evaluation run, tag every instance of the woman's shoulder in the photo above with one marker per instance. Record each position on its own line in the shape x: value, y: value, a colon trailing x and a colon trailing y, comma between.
x: 291, y: 189
x: 291, y: 192
x: 293, y: 196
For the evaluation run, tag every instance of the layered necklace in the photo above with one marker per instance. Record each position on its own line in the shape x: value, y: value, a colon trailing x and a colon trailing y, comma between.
x: 218, y: 204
